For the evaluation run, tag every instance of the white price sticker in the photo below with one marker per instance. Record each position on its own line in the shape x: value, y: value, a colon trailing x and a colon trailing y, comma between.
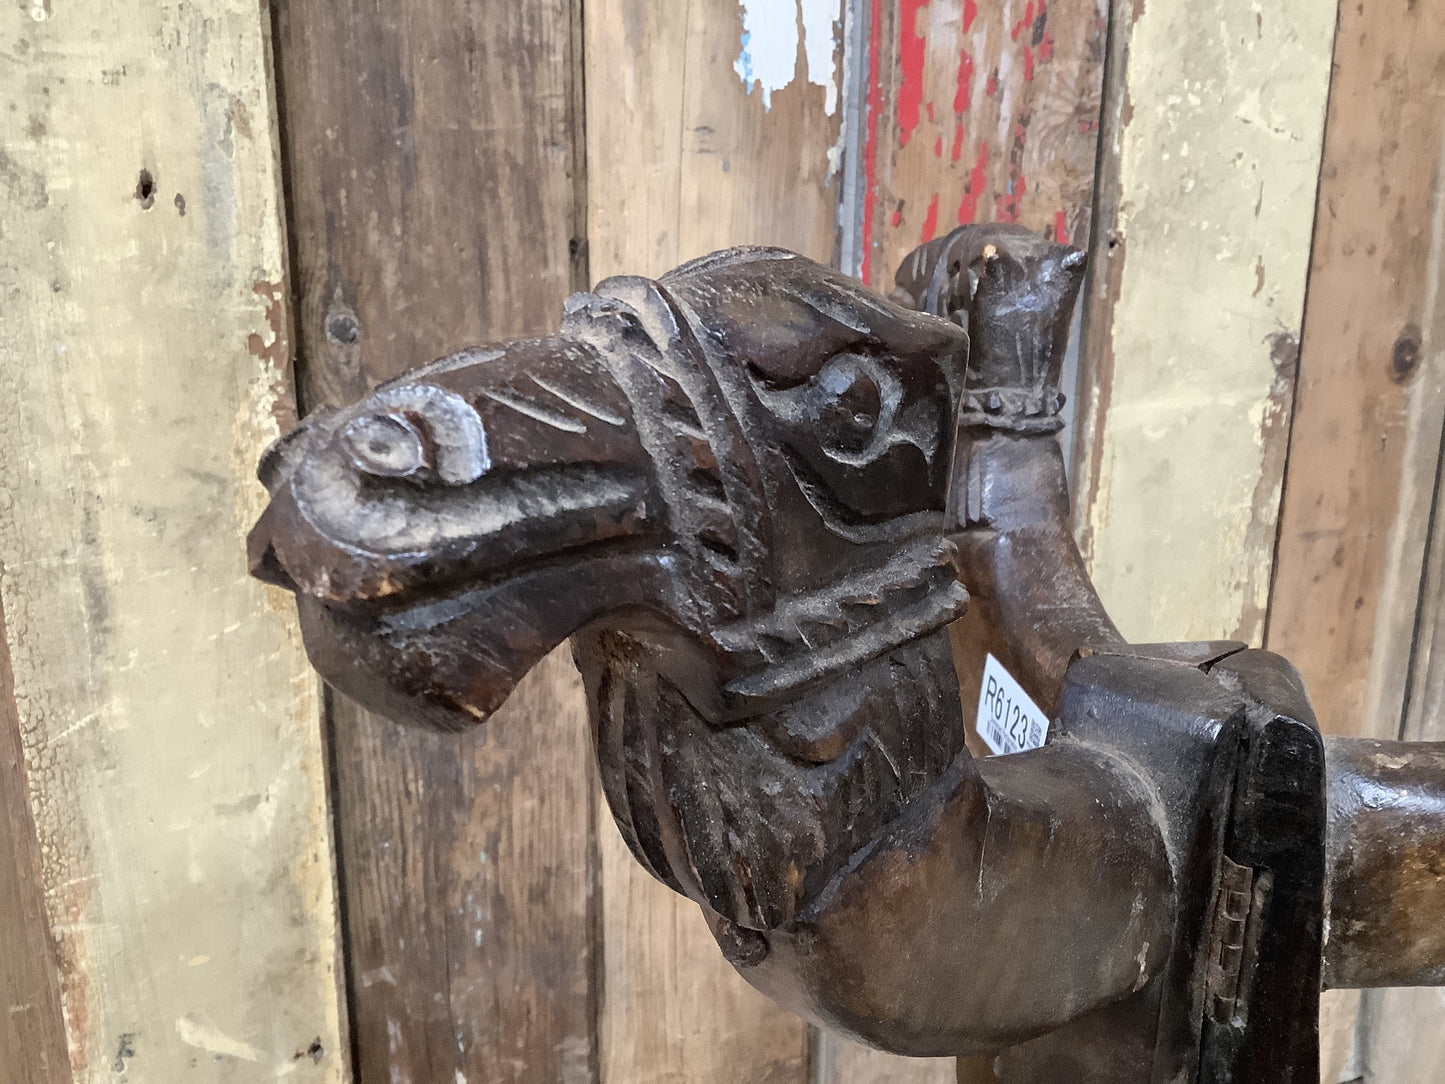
x: 1008, y: 721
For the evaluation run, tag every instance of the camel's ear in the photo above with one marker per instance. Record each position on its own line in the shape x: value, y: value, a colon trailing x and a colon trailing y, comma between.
x: 784, y: 317
x: 628, y: 309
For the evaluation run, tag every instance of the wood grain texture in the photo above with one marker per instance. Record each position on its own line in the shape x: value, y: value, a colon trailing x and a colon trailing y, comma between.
x: 1365, y: 443
x: 1189, y: 371
x: 979, y: 113
x: 32, y: 1028
x: 174, y: 765
x: 682, y: 160
x: 433, y: 173
x: 1366, y: 438
x: 852, y: 1063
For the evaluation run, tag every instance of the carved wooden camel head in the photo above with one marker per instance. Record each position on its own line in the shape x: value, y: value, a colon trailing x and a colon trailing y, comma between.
x: 753, y: 493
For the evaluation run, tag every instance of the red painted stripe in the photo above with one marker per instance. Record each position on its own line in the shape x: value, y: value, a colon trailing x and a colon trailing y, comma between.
x: 962, y: 96
x: 1026, y: 21
x: 910, y: 63
x: 1061, y: 228
x: 970, y: 13
x: 1006, y: 206
x: 930, y: 221
x: 957, y: 151
x: 977, y: 178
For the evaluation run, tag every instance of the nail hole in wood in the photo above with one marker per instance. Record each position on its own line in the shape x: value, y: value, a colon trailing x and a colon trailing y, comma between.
x: 145, y: 190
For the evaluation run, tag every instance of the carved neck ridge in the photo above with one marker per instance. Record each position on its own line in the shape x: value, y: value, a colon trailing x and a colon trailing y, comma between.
x: 752, y: 819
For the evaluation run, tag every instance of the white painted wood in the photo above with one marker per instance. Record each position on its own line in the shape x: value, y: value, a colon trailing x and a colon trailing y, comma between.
x: 1205, y: 255
x: 168, y: 716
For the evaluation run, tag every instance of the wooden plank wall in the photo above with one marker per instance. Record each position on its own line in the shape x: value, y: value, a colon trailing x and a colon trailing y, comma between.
x: 435, y: 179
x: 161, y: 739
x: 1365, y: 447
x: 1258, y: 445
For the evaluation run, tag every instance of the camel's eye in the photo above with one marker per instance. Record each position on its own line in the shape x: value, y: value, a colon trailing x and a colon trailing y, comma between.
x: 849, y: 397
x: 386, y: 445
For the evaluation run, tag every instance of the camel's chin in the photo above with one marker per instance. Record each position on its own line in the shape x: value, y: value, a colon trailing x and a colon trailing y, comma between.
x: 444, y: 664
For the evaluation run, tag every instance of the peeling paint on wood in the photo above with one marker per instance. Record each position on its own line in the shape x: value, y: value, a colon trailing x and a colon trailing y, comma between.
x: 979, y: 113
x: 768, y: 60
x: 1202, y: 262
x: 166, y: 711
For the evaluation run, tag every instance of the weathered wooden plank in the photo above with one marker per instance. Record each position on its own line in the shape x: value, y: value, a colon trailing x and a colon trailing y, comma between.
x: 977, y: 113
x: 167, y: 715
x: 855, y: 1064
x: 1366, y: 435
x: 32, y: 1028
x: 697, y: 140
x: 685, y: 154
x: 433, y: 171
x: 1364, y: 448
x: 1339, y: 1016
x: 1214, y: 142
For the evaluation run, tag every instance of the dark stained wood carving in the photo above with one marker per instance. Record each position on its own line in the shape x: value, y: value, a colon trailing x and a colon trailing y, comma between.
x: 755, y: 495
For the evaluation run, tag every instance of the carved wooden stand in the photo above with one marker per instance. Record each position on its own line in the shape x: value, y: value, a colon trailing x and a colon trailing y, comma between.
x: 756, y: 496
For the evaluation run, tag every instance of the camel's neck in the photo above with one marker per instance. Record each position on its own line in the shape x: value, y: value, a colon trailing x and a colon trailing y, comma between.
x: 753, y: 818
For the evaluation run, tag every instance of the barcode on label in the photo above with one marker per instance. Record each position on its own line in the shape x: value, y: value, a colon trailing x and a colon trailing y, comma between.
x: 1008, y: 720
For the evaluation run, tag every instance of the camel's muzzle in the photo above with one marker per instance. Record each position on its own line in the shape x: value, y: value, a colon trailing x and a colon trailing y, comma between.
x: 410, y: 522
